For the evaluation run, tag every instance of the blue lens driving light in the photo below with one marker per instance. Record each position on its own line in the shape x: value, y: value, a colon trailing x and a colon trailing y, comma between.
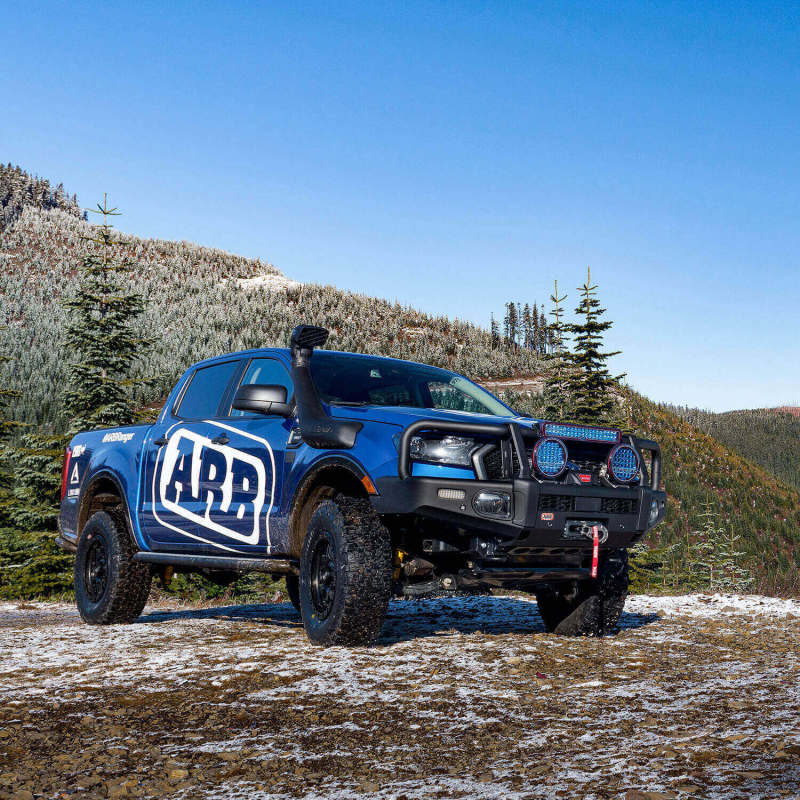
x: 623, y: 463
x: 550, y: 457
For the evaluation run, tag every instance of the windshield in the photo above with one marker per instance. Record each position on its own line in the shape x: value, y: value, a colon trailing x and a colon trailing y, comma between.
x: 346, y: 379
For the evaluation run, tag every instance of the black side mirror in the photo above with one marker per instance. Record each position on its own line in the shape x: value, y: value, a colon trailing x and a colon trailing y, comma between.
x: 262, y: 398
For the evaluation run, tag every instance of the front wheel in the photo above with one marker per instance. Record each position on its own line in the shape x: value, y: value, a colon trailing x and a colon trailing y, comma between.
x: 109, y: 585
x: 587, y: 608
x: 345, y: 573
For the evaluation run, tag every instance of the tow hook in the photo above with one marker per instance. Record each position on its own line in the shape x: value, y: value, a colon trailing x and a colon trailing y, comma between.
x: 577, y: 529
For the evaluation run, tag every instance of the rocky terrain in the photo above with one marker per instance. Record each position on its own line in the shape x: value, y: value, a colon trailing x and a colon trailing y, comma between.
x: 695, y: 696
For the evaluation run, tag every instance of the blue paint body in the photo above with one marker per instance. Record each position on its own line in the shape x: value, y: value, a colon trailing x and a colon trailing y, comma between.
x: 195, y: 495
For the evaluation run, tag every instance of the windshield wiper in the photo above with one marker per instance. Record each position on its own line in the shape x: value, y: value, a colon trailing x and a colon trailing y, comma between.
x: 349, y: 403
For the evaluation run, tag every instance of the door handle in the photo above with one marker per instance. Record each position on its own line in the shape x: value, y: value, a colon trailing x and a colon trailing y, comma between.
x: 221, y: 439
x: 161, y: 441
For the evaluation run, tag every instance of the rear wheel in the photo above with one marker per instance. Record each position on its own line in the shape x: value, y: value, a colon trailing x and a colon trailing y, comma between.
x: 109, y: 585
x: 345, y: 573
x: 587, y: 608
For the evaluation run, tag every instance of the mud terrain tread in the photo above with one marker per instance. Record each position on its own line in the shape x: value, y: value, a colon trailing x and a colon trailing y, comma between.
x: 364, y: 567
x: 129, y: 580
x: 593, y: 608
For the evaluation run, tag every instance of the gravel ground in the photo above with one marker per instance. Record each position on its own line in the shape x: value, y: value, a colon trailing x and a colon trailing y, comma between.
x: 695, y: 696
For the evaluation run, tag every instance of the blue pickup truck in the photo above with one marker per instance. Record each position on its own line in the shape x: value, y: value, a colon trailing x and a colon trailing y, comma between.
x: 356, y: 477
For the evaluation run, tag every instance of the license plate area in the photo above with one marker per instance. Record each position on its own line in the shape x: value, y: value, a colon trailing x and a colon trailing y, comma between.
x: 590, y: 504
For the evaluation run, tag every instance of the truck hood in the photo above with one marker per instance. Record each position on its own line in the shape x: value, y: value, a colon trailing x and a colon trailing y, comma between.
x: 403, y: 416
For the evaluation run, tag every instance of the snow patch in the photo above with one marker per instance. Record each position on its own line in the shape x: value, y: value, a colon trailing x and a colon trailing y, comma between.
x: 271, y: 282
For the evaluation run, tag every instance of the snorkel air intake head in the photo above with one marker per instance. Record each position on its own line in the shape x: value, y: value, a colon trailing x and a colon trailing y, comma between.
x: 317, y: 427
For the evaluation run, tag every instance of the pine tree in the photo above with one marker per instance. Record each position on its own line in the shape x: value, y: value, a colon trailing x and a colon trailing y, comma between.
x: 37, y: 481
x: 731, y: 575
x: 31, y: 565
x: 495, y: 332
x: 527, y: 328
x: 714, y: 558
x: 557, y: 401
x: 100, y: 335
x: 544, y: 334
x: 511, y: 322
x: 590, y: 384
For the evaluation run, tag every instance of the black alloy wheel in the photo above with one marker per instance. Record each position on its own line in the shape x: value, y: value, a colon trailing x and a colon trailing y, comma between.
x: 323, y: 575
x: 96, y: 569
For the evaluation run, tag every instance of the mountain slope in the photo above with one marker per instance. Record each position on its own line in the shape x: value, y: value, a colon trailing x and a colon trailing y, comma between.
x: 769, y: 437
x: 200, y: 302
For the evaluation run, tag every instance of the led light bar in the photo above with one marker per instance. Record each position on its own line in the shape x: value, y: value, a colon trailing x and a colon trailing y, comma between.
x: 583, y: 433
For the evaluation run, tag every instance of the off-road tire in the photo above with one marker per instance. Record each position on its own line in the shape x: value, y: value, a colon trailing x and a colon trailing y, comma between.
x: 361, y: 566
x: 293, y: 590
x: 127, y: 582
x: 587, y: 608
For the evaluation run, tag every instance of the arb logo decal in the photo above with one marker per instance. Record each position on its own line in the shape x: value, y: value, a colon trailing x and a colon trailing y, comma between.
x: 216, y: 486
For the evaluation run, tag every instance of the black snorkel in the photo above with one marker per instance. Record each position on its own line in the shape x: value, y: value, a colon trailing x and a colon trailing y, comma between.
x: 317, y: 427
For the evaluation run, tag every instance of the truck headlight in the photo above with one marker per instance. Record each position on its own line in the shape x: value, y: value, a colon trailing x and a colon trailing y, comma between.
x: 446, y: 450
x: 653, y: 512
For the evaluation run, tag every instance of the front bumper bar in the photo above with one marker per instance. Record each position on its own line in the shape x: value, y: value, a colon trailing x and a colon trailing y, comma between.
x: 541, y: 510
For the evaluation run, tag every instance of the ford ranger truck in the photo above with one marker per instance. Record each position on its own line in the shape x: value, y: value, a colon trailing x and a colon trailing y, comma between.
x: 357, y: 478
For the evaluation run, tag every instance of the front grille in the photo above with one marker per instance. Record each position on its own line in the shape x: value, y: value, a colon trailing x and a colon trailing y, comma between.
x: 556, y: 502
x: 493, y: 464
x: 608, y: 505
x: 618, y: 505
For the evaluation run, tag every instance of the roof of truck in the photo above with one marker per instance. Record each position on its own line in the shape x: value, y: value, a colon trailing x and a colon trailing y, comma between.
x: 285, y: 355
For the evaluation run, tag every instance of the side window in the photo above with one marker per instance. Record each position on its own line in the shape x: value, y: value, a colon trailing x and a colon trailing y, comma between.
x: 204, y: 393
x: 267, y: 371
x: 398, y: 395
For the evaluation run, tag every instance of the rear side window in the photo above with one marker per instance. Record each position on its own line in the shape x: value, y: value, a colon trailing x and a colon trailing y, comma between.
x: 265, y: 371
x: 204, y: 393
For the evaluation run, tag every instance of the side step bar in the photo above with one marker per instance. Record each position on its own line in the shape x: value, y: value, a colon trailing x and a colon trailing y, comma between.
x: 277, y: 566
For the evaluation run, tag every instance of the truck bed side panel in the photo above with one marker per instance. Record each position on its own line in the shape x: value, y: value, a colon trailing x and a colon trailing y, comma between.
x: 114, y: 453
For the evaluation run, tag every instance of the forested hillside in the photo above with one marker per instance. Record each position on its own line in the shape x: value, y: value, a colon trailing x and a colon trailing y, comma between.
x: 198, y: 305
x: 769, y: 437
x: 19, y: 190
x: 201, y: 302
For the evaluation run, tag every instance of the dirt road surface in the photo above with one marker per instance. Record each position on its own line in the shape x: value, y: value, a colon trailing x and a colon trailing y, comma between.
x: 464, y: 698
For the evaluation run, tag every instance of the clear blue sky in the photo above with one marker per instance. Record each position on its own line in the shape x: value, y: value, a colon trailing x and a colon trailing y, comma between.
x: 453, y: 155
